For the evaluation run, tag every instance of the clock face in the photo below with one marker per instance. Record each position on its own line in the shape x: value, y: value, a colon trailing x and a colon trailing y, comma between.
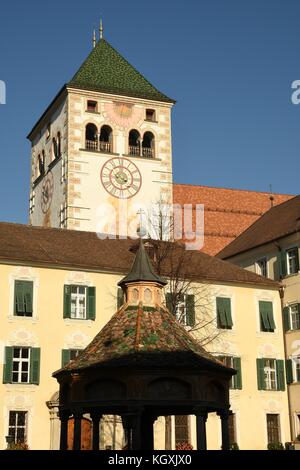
x: 121, y: 178
x: 47, y: 192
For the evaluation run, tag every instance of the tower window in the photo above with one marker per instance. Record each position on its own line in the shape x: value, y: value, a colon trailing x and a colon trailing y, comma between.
x: 134, y: 142
x: 148, y: 145
x: 41, y: 164
x: 150, y: 115
x: 105, y: 142
x: 91, y: 132
x: 48, y: 131
x: 92, y: 106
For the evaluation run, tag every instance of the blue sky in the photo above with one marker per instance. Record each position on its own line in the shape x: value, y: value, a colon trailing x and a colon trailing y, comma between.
x: 228, y: 63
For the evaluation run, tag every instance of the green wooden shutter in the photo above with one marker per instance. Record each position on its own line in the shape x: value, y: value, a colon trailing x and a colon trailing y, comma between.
x: 65, y: 357
x: 67, y: 301
x: 260, y: 364
x: 227, y: 309
x: 190, y: 310
x: 282, y: 262
x: 237, y: 379
x: 286, y: 318
x: 298, y: 306
x: 35, y: 355
x: 19, y: 297
x: 280, y: 374
x: 91, y: 303
x: 169, y: 302
x: 289, y: 371
x: 270, y: 315
x: 266, y: 315
x: 7, y: 367
x: 221, y: 316
x: 28, y: 294
x: 120, y: 297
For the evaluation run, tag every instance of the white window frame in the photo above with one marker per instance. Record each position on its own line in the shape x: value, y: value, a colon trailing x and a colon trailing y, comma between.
x: 75, y: 312
x: 294, y: 249
x: 291, y: 316
x: 181, y: 316
x: 296, y: 367
x: 25, y: 426
x: 269, y: 371
x: 258, y: 268
x: 20, y: 361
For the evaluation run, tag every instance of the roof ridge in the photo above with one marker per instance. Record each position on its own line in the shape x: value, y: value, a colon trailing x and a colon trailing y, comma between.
x: 234, y: 189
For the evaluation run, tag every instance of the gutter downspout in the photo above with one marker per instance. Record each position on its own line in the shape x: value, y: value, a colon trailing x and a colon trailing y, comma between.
x: 281, y: 293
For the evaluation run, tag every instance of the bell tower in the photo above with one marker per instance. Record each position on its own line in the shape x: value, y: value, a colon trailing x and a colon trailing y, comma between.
x: 102, y: 150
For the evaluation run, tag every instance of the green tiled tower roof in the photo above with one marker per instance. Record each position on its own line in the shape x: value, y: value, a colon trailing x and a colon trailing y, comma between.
x: 105, y: 70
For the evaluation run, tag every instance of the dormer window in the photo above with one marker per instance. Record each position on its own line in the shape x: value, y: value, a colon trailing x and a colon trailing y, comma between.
x: 150, y: 115
x: 91, y: 106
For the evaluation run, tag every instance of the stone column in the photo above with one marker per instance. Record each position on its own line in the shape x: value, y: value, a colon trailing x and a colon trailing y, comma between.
x: 201, y: 418
x: 96, y: 417
x: 64, y: 417
x: 224, y: 415
x: 77, y: 430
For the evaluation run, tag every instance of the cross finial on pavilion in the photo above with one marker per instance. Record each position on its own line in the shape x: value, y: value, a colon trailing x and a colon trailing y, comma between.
x: 101, y: 29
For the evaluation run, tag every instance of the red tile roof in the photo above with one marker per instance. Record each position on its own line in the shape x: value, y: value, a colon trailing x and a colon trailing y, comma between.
x: 276, y: 223
x: 227, y: 212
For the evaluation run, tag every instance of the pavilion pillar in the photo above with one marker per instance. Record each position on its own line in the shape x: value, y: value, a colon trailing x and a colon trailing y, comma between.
x: 64, y: 419
x: 147, y: 432
x: 224, y: 415
x: 132, y: 424
x: 201, y: 418
x: 77, y: 430
x: 96, y: 417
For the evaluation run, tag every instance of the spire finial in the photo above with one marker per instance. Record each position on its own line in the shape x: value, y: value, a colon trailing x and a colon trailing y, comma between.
x: 94, y: 38
x: 101, y: 29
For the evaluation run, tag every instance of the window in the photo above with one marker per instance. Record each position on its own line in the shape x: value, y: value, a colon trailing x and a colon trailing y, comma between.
x: 17, y: 426
x: 181, y: 429
x: 266, y: 316
x: 234, y: 363
x: 41, y: 164
x: 22, y: 365
x: 106, y: 135
x: 23, y: 298
x: 296, y: 364
x: 293, y: 369
x: 270, y: 374
x: 183, y: 307
x: 48, y: 131
x: 295, y: 316
x: 91, y: 137
x: 262, y: 267
x: 273, y: 429
x: 134, y: 141
x: 69, y: 355
x: 91, y: 106
x: 292, y: 261
x: 224, y: 319
x: 150, y: 115
x: 79, y: 302
x: 232, y: 429
x: 148, y: 145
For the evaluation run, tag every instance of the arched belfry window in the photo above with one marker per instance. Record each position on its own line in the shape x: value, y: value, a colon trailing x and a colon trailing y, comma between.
x: 134, y: 143
x: 106, y: 139
x: 148, y: 145
x: 91, y: 137
x: 58, y: 145
x: 54, y: 148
